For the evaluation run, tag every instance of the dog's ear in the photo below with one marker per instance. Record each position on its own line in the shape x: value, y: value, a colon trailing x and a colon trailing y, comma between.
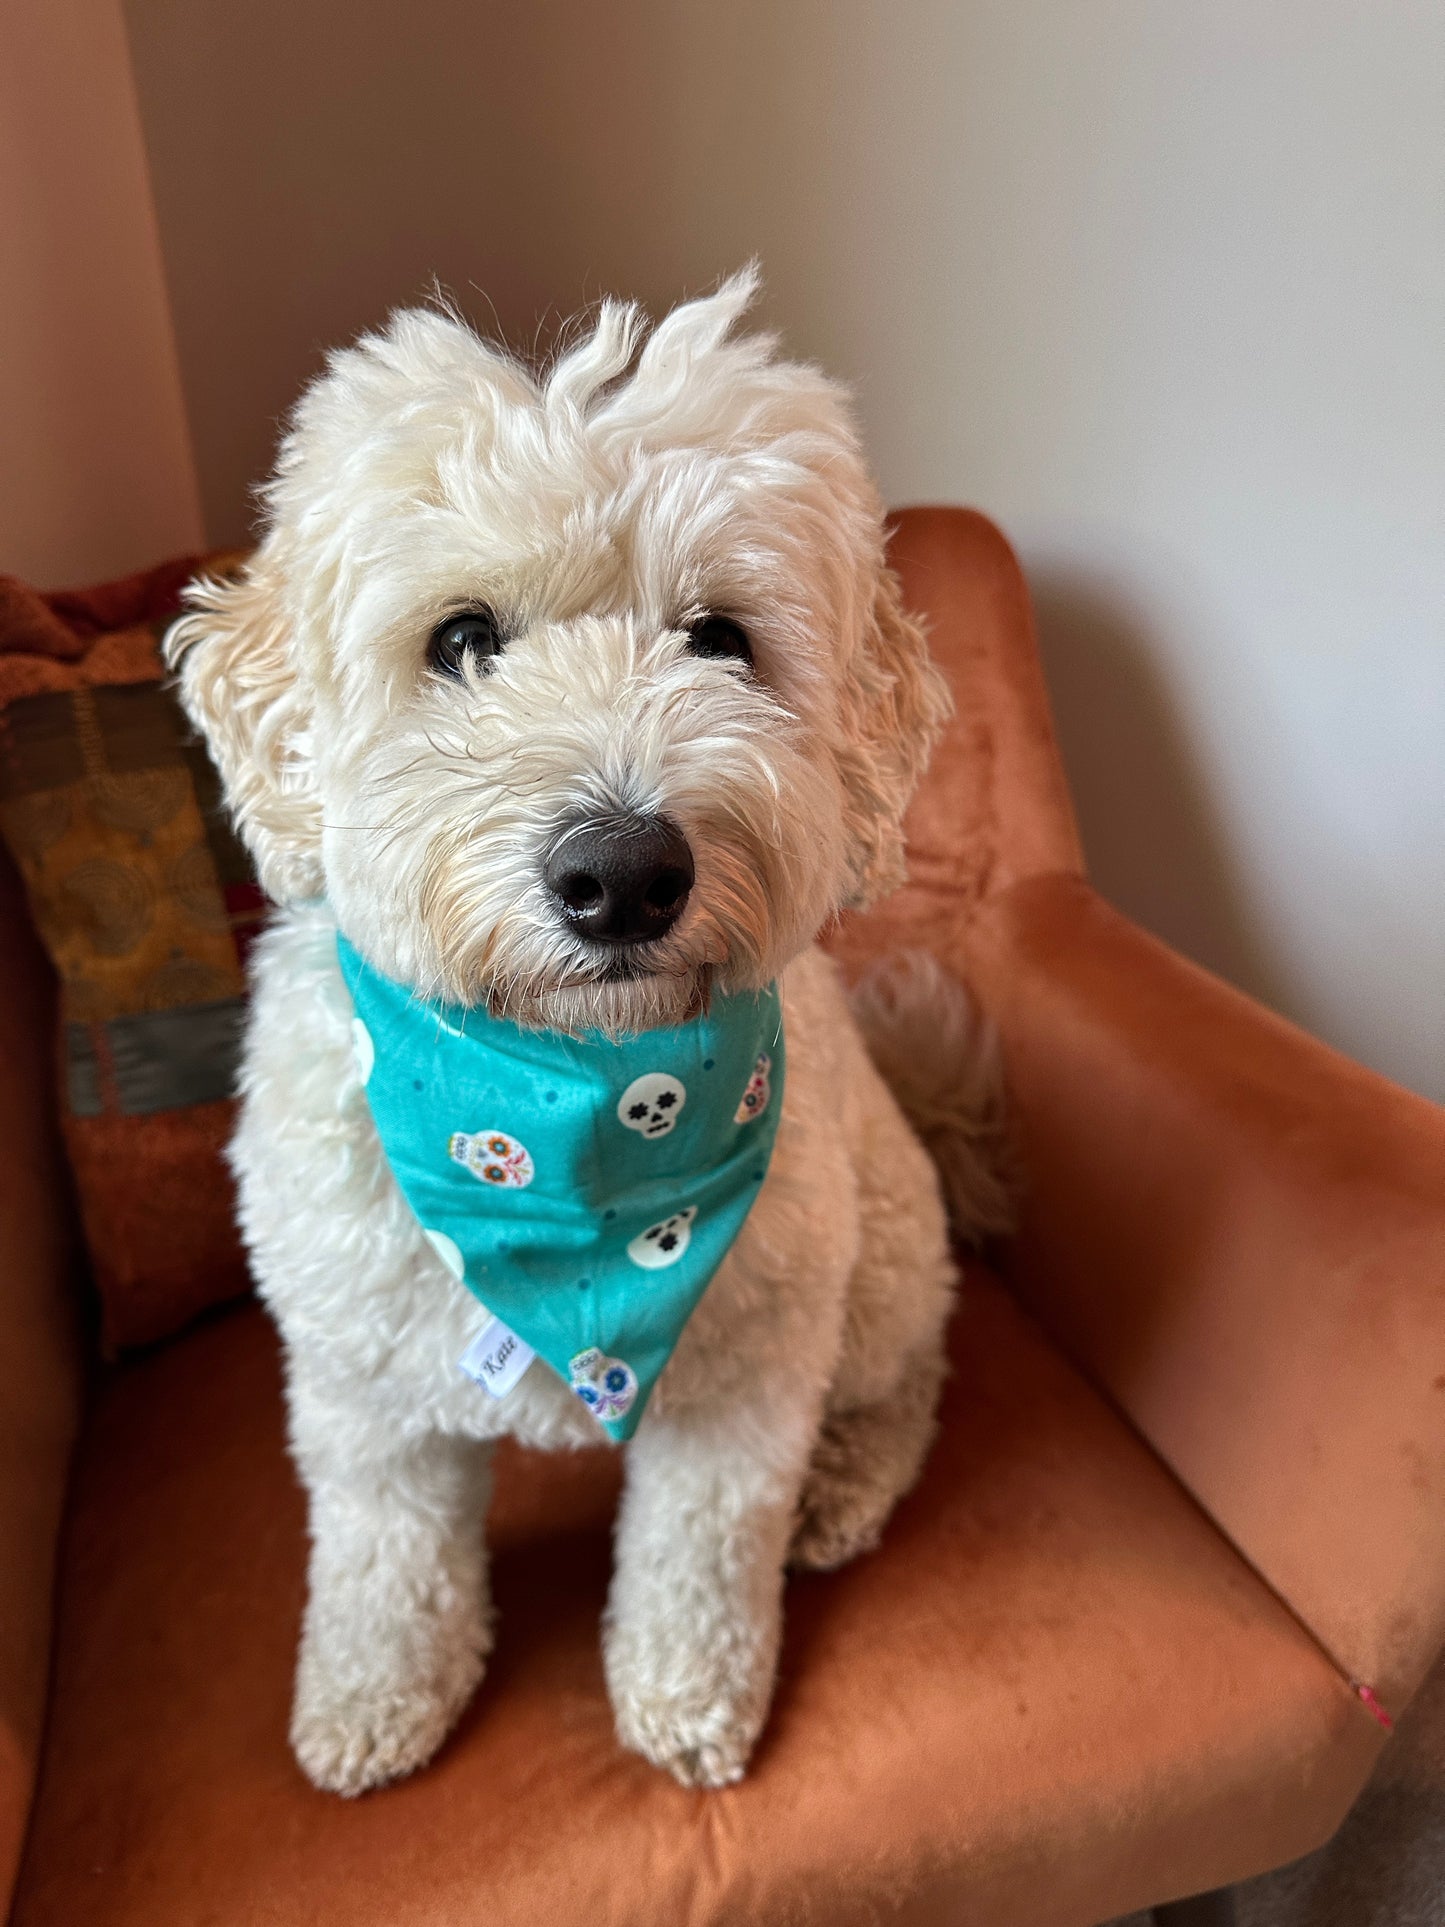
x: 894, y: 706
x: 242, y: 687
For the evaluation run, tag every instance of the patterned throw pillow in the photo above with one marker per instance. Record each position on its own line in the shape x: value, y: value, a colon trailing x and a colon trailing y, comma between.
x: 146, y: 902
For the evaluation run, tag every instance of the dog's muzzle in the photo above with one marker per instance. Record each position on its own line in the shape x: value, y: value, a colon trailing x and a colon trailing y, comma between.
x: 621, y: 879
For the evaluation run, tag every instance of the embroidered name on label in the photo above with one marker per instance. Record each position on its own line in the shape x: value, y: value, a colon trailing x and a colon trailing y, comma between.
x: 496, y: 1357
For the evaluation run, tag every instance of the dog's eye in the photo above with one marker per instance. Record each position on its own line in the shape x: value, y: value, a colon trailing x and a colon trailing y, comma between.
x: 719, y: 636
x: 475, y: 633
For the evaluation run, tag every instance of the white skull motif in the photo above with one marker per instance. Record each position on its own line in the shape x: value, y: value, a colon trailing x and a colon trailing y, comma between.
x: 363, y: 1050
x: 493, y: 1157
x: 650, y: 1103
x: 663, y: 1244
x: 449, y: 1251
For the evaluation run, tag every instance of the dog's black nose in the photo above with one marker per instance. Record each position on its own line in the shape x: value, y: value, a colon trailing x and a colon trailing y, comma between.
x: 620, y: 879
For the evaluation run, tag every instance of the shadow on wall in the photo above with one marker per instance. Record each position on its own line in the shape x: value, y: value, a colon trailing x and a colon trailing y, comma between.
x: 1154, y: 845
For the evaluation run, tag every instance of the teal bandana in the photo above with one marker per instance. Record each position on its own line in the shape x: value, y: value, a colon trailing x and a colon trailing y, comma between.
x: 584, y: 1189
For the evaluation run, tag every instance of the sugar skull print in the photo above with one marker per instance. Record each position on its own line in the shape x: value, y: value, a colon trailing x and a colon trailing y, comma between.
x: 606, y: 1386
x: 492, y: 1157
x: 651, y: 1103
x: 755, y: 1098
x: 664, y: 1243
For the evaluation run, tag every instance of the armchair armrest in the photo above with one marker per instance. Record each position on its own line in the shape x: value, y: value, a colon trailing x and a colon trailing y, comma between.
x: 1241, y: 1235
x: 39, y: 1359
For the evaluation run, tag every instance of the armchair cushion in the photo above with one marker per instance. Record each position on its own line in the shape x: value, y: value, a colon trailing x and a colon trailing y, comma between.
x: 1054, y: 1693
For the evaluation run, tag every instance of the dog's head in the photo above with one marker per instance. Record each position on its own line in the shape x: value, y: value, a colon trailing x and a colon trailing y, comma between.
x: 576, y: 695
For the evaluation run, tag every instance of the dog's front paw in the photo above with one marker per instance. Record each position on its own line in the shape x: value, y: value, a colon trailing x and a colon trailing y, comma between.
x: 352, y: 1736
x: 701, y: 1743
x: 692, y: 1705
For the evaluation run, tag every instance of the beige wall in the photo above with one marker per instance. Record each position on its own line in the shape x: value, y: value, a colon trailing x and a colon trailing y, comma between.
x: 1161, y: 286
x: 309, y: 177
x: 97, y: 476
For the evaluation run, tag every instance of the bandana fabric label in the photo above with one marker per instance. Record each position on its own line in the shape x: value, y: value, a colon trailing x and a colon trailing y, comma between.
x: 496, y: 1358
x: 584, y: 1189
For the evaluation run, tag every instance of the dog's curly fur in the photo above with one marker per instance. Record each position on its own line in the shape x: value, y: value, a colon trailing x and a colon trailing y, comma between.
x: 599, y: 510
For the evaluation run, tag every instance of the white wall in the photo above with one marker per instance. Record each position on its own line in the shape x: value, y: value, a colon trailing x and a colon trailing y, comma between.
x: 1162, y: 286
x: 97, y: 477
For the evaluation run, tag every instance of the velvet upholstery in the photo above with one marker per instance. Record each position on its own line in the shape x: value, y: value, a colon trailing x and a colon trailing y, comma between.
x: 1238, y: 1232
x: 1276, y: 1327
x: 1059, y: 1690
x: 1053, y: 1692
x: 40, y: 1354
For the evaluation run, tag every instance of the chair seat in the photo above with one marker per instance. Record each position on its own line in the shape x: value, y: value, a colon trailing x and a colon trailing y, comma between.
x: 1053, y: 1694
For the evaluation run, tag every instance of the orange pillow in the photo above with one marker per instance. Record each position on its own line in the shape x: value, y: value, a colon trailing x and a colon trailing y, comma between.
x: 145, y: 901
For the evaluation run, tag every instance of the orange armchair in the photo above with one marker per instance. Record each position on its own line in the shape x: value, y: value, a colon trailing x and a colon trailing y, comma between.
x: 1175, y: 1562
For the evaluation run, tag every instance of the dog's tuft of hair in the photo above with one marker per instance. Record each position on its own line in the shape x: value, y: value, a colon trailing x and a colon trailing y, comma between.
x: 939, y: 1056
x: 598, y: 509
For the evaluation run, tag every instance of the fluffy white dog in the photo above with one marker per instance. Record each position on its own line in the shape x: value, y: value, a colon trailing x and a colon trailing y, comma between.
x: 492, y: 612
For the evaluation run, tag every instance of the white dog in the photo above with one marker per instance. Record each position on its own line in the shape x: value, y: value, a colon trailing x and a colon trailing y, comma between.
x: 643, y: 597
